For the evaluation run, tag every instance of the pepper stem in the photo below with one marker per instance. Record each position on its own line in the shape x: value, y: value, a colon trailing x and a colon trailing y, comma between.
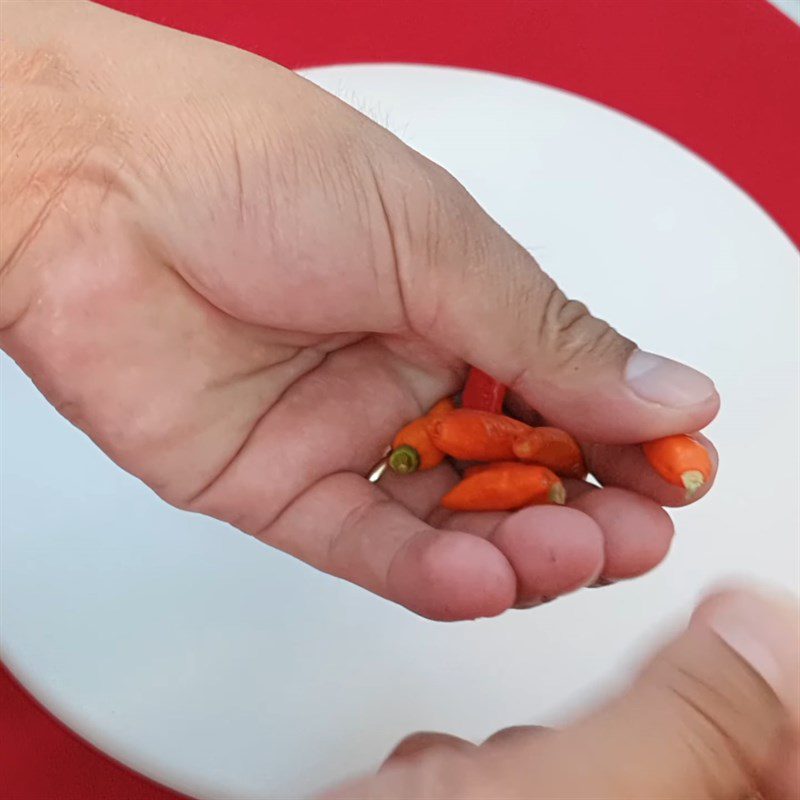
x: 404, y: 460
x: 692, y: 481
x: 557, y: 494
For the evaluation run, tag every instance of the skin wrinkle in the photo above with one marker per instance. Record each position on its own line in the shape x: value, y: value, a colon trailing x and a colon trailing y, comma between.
x: 706, y: 685
x: 713, y: 714
x: 262, y: 531
x: 351, y: 523
x: 237, y: 167
x: 195, y: 501
x: 701, y: 745
x: 392, y: 231
x: 90, y: 167
x: 76, y: 172
x: 428, y: 310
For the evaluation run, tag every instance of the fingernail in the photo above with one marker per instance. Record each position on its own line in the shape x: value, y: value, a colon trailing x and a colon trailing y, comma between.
x: 744, y: 622
x: 666, y: 382
x: 600, y: 583
x: 539, y: 601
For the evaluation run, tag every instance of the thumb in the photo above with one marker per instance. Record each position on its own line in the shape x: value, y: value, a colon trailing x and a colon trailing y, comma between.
x: 703, y: 721
x: 471, y: 286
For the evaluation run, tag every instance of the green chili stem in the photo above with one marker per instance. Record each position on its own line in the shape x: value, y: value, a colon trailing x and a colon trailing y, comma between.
x: 692, y: 481
x: 404, y: 460
x: 557, y: 494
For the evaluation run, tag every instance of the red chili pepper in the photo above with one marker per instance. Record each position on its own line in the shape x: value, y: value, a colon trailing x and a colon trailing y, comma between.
x: 482, y: 392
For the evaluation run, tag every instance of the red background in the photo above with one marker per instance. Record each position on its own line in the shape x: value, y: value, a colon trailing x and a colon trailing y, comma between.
x: 723, y: 78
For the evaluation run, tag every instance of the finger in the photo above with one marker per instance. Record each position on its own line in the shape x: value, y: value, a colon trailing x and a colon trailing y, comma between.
x: 470, y: 285
x: 781, y: 779
x: 554, y: 559
x: 553, y: 551
x: 420, y: 492
x: 626, y: 467
x: 513, y: 733
x: 702, y: 721
x: 637, y: 532
x: 424, y: 742
x: 576, y: 488
x: 349, y: 528
x: 765, y: 630
x: 478, y: 523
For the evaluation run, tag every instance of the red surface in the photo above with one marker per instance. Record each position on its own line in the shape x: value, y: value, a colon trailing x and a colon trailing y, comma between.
x: 40, y: 759
x: 723, y: 78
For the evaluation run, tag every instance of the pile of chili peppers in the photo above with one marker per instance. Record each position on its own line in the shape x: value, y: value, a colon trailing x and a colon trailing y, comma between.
x: 513, y: 464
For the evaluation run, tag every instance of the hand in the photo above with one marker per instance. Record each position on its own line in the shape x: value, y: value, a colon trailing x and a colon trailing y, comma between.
x: 240, y: 288
x: 714, y: 716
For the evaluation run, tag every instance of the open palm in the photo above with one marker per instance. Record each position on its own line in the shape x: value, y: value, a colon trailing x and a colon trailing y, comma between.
x: 242, y: 289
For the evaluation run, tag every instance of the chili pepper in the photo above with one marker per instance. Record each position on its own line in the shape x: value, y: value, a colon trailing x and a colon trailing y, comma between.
x: 505, y: 486
x: 482, y: 392
x: 552, y: 448
x: 412, y: 448
x: 444, y: 406
x: 681, y: 460
x: 472, y: 435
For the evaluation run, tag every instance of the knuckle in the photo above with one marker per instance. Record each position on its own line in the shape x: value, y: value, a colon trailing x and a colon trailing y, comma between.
x: 454, y: 776
x: 422, y: 220
x: 704, y: 732
x: 721, y: 717
x: 570, y: 333
x: 431, y: 198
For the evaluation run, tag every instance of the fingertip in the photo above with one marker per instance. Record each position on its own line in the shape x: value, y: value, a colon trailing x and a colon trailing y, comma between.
x: 552, y: 550
x: 637, y: 532
x: 613, y: 415
x: 763, y: 627
x: 449, y: 575
x: 515, y: 733
x: 626, y: 467
x: 421, y: 742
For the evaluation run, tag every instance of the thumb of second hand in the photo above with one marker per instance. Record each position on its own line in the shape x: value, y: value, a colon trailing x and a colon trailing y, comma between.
x: 703, y: 721
x: 470, y: 287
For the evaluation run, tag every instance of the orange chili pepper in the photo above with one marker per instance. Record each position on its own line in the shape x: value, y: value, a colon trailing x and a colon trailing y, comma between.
x: 472, y: 435
x: 681, y: 460
x: 412, y: 448
x: 444, y: 406
x: 552, y: 448
x: 505, y: 486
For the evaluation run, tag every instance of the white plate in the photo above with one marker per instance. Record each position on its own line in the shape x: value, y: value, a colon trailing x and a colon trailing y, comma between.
x: 216, y: 665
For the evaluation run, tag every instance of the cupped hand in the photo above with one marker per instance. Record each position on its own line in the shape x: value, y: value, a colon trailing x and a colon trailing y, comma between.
x: 715, y: 715
x: 240, y: 288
